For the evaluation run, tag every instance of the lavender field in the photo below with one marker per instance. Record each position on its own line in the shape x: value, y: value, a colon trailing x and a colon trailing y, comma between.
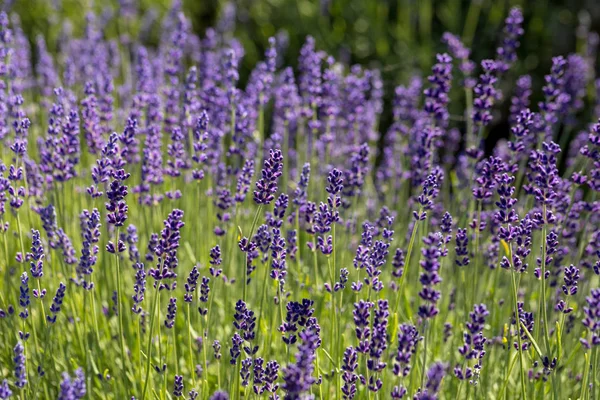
x: 168, y: 231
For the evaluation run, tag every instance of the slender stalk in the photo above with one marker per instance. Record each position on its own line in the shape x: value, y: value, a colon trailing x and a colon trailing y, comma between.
x: 409, y: 251
x: 119, y: 305
x: 520, y: 349
x: 149, y: 345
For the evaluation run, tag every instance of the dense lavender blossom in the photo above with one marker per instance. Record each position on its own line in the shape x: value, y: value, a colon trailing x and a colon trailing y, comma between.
x: 166, y: 250
x: 408, y: 338
x: 57, y: 303
x: 266, y: 186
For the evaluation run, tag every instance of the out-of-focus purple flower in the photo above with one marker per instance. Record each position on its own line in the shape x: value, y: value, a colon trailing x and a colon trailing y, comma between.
x: 219, y: 395
x: 461, y: 52
x: 244, y: 181
x: 436, y: 96
x: 485, y: 94
x: 506, y: 54
x: 592, y: 318
x: 555, y: 95
x: 73, y: 388
x: 20, y: 371
x: 5, y: 392
x: 298, y: 378
x: 520, y: 99
x: 435, y: 374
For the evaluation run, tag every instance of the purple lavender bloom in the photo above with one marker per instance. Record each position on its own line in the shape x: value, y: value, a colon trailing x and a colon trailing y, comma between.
x: 310, y: 76
x: 36, y: 257
x: 349, y: 376
x: 20, y: 370
x: 166, y: 250
x: 430, y: 262
x: 429, y: 192
x: 408, y: 339
x: 462, y: 245
x: 266, y: 186
x: 171, y: 313
x: 245, y: 371
x: 474, y: 342
x: 139, y: 288
x: 219, y: 395
x: 101, y: 172
x: 178, y: 386
x: 5, y: 392
x: 525, y: 318
x: 199, y: 145
x: 362, y: 314
x: 270, y: 379
x: 73, y: 388
x: 462, y: 53
x: 398, y: 264
x: 576, y: 80
x: 215, y: 261
x: 298, y: 377
x: 57, y: 303
x: 204, y: 292
x: 554, y: 93
x: 378, y: 343
x: 485, y: 94
x: 435, y: 374
x: 116, y: 206
x: 436, y: 96
x: 513, y: 30
x: 244, y: 181
x: 24, y: 297
x: 571, y: 277
x: 592, y: 318
x: 90, y: 232
x: 245, y: 323
x: 298, y: 315
x: 543, y: 176
x: 520, y: 99
x: 190, y: 285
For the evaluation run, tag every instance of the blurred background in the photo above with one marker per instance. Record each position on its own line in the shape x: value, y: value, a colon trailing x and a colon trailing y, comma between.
x: 398, y: 37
